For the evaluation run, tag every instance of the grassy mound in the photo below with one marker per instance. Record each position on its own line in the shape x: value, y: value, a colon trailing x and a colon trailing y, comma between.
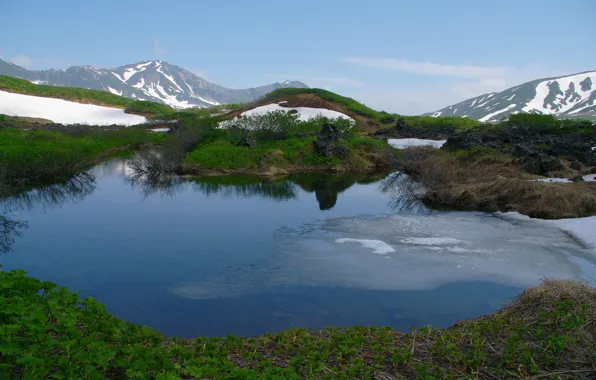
x: 291, y: 154
x: 549, y: 331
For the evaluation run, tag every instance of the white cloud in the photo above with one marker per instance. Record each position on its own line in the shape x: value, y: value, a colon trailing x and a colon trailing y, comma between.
x: 430, y: 68
x: 21, y: 60
x: 157, y: 49
x: 466, y: 81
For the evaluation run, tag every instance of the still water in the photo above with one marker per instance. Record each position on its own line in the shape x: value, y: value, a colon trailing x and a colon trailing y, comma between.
x: 244, y: 256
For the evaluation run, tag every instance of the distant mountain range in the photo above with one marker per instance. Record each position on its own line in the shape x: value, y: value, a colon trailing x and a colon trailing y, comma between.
x: 571, y: 96
x: 157, y: 81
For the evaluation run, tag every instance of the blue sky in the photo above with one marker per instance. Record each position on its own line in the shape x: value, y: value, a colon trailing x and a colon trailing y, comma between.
x: 401, y: 56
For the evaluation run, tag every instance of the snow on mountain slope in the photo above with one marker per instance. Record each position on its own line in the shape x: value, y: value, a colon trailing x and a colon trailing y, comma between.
x: 156, y: 81
x: 566, y: 97
x: 62, y: 111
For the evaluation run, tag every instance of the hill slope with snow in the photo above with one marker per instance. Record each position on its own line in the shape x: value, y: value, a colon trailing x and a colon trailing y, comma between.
x: 572, y: 96
x: 63, y: 111
x: 156, y: 81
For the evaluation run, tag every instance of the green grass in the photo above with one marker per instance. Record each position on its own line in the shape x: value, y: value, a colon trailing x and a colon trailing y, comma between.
x: 48, y: 332
x: 296, y: 153
x: 31, y: 156
x: 348, y: 103
x: 144, y: 107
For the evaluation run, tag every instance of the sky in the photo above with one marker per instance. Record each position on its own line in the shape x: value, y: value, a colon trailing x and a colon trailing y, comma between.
x: 399, y: 56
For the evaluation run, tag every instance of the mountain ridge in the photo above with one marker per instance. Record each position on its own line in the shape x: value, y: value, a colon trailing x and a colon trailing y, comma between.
x: 153, y: 80
x: 567, y: 96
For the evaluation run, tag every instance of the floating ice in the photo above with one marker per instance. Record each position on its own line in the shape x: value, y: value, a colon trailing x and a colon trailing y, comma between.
x: 426, y: 251
x: 377, y: 246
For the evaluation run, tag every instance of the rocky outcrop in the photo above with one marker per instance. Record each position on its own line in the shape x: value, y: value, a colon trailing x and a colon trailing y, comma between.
x: 538, y: 152
x: 327, y: 143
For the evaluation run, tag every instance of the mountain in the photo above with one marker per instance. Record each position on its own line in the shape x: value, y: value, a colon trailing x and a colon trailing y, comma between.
x: 572, y: 96
x: 157, y: 81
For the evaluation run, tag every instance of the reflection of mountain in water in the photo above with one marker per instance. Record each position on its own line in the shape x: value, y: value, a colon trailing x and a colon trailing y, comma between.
x: 43, y: 197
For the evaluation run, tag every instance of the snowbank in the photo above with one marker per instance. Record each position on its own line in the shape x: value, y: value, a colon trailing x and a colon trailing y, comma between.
x: 583, y: 229
x: 406, y: 143
x: 62, y: 111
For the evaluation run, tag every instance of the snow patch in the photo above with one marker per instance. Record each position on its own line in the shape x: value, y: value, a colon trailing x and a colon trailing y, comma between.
x: 62, y: 111
x: 114, y: 91
x: 304, y: 113
x: 587, y: 178
x: 406, y: 143
x: 437, y: 114
x: 377, y: 246
x: 492, y: 114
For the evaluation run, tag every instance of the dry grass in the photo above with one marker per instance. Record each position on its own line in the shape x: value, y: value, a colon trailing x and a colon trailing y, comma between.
x: 494, y: 182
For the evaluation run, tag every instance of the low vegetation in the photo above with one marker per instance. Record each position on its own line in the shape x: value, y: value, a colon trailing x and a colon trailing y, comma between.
x: 549, y: 331
x: 31, y: 157
x: 150, y: 109
x: 349, y: 104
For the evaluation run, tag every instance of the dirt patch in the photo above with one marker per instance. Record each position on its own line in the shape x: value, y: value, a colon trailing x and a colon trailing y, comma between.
x: 494, y: 183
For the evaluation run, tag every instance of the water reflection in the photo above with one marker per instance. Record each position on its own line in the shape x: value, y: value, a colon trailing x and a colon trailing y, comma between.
x: 326, y: 187
x: 43, y: 197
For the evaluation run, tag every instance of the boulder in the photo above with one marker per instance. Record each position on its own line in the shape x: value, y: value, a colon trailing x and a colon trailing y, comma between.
x: 247, y: 140
x: 541, y: 164
x: 550, y: 163
x: 575, y: 165
x: 577, y: 178
x: 524, y: 150
x: 327, y: 140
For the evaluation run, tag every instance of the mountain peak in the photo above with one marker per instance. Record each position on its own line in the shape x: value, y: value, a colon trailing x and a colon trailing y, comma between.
x: 154, y: 80
x: 569, y: 96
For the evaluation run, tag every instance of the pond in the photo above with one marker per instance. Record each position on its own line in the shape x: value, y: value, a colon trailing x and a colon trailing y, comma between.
x: 244, y: 256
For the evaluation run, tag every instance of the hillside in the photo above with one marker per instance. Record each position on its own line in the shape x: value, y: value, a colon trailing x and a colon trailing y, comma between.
x: 572, y: 96
x: 156, y: 81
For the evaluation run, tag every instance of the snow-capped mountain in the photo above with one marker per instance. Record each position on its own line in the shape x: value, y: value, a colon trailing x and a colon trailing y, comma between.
x: 572, y: 96
x: 157, y: 81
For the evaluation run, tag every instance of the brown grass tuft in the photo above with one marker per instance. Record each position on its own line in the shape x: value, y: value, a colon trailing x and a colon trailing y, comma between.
x: 494, y: 182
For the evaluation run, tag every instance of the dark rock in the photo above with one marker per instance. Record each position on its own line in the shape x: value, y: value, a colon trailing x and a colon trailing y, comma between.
x: 524, y: 150
x: 593, y: 170
x: 575, y: 165
x: 247, y: 140
x: 541, y: 164
x: 550, y: 163
x: 327, y: 140
x: 577, y: 178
